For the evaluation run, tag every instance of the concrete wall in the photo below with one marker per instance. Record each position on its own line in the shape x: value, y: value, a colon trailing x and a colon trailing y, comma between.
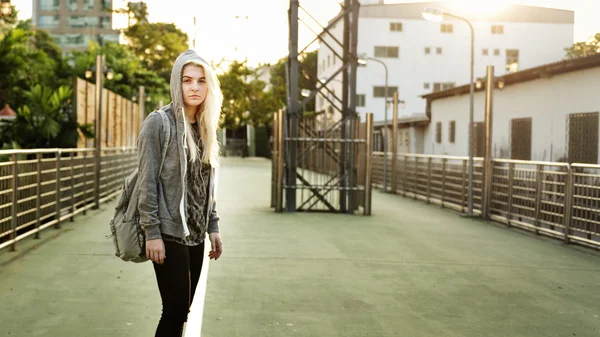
x: 548, y: 101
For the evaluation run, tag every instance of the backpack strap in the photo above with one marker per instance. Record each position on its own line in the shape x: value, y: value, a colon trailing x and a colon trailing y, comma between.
x: 167, y: 137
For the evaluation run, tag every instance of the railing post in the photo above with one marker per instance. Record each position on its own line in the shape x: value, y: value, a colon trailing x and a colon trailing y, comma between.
x: 279, y: 205
x: 511, y: 178
x: 15, y: 202
x: 38, y: 199
x: 428, y: 178
x: 274, y: 157
x: 486, y: 201
x: 57, y: 197
x: 538, y: 196
x: 463, y: 186
x: 444, y: 165
x: 405, y: 176
x: 487, y: 160
x: 368, y: 155
x: 72, y: 188
x: 416, y: 178
x: 394, y: 144
x: 85, y: 182
x: 568, y: 211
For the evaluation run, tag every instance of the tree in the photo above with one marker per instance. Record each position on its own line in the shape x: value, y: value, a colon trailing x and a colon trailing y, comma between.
x: 25, y: 61
x: 47, y: 121
x: 157, y: 45
x: 129, y: 72
x: 246, y: 100
x: 307, y: 79
x: 583, y: 49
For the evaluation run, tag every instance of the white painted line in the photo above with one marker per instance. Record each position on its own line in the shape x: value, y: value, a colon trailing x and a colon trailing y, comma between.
x: 193, y: 327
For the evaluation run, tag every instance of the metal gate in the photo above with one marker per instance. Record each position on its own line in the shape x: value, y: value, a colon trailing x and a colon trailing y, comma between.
x: 321, y: 160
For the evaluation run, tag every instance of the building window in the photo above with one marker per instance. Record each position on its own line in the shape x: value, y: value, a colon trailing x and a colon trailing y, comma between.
x: 49, y: 5
x: 438, y: 86
x: 323, y: 65
x: 485, y: 52
x: 448, y: 85
x: 512, y: 60
x: 333, y: 57
x: 438, y: 132
x: 520, y: 138
x: 105, y: 22
x: 88, y: 4
x: 379, y: 91
x: 426, y: 85
x: 446, y: 28
x: 387, y: 51
x: 360, y: 100
x: 328, y: 60
x: 497, y: 29
x: 427, y: 50
x: 438, y: 50
x: 72, y: 5
x: 74, y: 39
x: 583, y: 138
x: 496, y: 52
x: 395, y: 26
x: 49, y: 21
x: 406, y: 138
x: 452, y: 132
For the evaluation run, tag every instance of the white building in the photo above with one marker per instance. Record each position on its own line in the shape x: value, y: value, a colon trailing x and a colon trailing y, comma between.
x: 424, y: 57
x: 547, y: 113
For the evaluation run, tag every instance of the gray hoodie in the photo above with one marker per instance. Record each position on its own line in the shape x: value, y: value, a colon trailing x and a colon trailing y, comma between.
x: 162, y: 200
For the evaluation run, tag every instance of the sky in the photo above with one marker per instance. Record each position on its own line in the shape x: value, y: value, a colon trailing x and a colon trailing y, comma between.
x: 263, y: 36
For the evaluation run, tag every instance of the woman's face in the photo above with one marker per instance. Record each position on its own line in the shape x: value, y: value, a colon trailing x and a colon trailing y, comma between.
x: 193, y: 85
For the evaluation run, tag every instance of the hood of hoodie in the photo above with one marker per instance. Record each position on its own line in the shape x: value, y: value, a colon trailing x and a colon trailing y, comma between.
x: 176, y: 91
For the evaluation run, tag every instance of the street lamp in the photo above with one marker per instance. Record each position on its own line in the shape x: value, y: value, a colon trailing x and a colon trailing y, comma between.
x: 437, y: 15
x: 363, y: 61
x: 6, y: 8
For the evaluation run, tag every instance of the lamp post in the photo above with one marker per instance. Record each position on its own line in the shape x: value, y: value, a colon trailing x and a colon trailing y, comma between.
x: 363, y: 61
x: 437, y: 15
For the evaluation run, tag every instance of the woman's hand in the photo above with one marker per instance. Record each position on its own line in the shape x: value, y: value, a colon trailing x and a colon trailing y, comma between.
x: 155, y: 250
x: 216, y: 246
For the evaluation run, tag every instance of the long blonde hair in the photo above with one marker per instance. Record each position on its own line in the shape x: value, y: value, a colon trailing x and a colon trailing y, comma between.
x: 207, y: 117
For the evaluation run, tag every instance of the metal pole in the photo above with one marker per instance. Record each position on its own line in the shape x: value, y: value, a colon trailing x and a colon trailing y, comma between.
x: 38, y: 192
x: 395, y: 143
x: 471, y: 113
x: 280, y: 126
x: 274, y: 160
x: 15, y: 202
x: 292, y: 111
x: 345, y: 111
x: 98, y: 125
x: 352, y: 107
x: 57, y: 188
x: 368, y: 155
x: 385, y: 119
x: 487, y: 164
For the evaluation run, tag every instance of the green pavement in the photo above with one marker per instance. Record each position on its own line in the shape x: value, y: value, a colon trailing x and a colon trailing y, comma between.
x: 411, y: 269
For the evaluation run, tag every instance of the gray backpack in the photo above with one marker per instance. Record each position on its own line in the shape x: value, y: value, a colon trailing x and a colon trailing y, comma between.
x: 127, y: 234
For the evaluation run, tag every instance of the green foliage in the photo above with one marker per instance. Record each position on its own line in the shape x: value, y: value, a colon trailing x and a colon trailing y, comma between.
x: 47, y: 121
x: 583, y: 49
x: 245, y: 99
x: 157, y: 45
x: 307, y: 79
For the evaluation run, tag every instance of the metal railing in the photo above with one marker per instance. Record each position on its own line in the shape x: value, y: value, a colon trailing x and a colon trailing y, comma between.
x: 556, y: 199
x: 41, y: 188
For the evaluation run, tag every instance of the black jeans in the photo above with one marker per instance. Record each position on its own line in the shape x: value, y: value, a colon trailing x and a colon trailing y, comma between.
x: 177, y: 280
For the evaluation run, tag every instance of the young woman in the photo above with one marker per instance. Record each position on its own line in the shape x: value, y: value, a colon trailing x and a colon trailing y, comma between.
x: 177, y: 208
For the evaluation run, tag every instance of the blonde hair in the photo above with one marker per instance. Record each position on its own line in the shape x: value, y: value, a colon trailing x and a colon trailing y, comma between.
x: 207, y: 118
